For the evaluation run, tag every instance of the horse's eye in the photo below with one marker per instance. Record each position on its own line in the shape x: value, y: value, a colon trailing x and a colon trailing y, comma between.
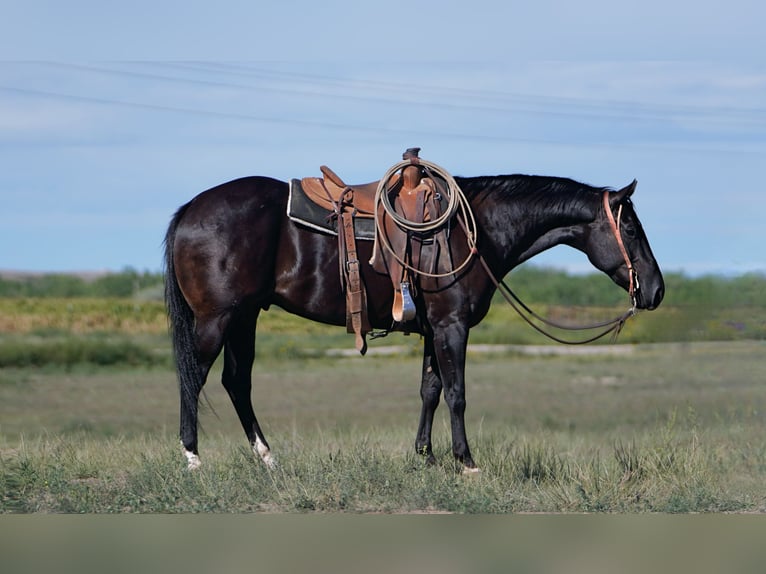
x: 629, y: 230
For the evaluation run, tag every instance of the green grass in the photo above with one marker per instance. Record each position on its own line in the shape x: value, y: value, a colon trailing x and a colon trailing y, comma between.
x: 676, y: 428
x: 668, y: 471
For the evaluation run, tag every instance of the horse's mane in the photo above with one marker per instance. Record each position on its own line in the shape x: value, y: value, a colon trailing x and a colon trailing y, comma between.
x: 555, y: 193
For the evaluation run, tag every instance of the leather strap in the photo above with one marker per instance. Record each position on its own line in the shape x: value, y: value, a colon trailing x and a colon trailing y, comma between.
x: 615, y: 225
x: 356, y: 300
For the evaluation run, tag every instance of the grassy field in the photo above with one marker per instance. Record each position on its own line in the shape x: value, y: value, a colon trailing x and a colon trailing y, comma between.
x: 653, y: 428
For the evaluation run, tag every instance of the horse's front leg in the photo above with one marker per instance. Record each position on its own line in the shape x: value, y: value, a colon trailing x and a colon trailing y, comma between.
x: 450, y: 344
x: 430, y: 391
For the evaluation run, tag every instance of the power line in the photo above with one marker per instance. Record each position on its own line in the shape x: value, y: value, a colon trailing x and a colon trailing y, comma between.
x: 509, y: 136
x: 249, y: 117
x: 356, y: 128
x: 448, y: 98
x: 445, y: 91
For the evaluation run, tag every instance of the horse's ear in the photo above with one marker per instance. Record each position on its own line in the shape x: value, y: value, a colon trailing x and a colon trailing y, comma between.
x: 625, y: 192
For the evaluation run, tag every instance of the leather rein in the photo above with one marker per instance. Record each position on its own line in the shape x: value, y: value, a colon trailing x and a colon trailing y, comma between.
x: 613, y: 326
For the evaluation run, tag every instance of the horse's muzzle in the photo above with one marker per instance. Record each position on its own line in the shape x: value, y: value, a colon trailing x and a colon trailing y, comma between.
x: 650, y: 298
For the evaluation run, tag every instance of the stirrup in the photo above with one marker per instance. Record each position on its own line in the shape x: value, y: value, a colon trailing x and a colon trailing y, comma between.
x: 404, y: 307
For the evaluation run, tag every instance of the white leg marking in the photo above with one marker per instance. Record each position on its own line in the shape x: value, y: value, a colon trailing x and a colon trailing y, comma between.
x: 192, y: 460
x: 263, y: 451
x: 471, y: 471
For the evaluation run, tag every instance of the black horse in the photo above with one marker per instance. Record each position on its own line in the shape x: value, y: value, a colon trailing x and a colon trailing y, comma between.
x: 232, y: 251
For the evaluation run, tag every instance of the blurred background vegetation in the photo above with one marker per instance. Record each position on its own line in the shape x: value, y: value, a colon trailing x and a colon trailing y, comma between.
x: 126, y: 283
x: 119, y: 318
x: 540, y: 285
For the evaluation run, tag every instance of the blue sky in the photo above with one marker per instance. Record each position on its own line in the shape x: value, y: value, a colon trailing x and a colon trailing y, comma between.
x: 111, y: 116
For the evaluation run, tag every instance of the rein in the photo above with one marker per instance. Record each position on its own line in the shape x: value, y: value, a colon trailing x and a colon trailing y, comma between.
x: 613, y: 326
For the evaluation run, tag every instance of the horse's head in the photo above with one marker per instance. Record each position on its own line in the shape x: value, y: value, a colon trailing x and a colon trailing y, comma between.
x: 617, y: 245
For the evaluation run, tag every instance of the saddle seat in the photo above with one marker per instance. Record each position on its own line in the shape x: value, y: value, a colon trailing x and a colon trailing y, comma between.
x: 330, y: 192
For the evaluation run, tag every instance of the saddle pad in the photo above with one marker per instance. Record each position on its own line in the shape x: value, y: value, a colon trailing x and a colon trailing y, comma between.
x: 302, y: 210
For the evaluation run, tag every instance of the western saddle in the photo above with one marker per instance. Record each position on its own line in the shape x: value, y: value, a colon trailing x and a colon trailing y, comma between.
x: 415, y: 197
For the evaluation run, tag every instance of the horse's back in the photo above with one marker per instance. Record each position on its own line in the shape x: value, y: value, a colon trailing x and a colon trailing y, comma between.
x: 236, y: 198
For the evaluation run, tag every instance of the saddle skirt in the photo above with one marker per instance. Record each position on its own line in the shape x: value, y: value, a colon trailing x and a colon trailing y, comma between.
x: 308, y: 205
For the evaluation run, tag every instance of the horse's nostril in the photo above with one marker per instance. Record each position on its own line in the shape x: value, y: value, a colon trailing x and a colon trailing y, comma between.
x: 659, y: 295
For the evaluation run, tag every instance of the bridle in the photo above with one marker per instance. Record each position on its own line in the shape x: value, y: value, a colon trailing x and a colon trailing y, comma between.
x: 633, y: 284
x: 613, y: 326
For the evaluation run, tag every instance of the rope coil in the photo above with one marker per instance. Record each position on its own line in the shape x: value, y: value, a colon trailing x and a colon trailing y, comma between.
x: 457, y: 204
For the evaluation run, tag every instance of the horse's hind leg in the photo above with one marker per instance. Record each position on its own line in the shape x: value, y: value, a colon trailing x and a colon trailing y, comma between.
x: 239, y: 354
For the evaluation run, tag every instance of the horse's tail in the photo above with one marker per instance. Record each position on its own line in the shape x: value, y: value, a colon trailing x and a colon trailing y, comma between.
x: 180, y: 322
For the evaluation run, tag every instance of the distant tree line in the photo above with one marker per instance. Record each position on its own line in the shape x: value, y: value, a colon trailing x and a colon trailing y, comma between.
x: 126, y: 283
x: 538, y: 285
x: 554, y: 287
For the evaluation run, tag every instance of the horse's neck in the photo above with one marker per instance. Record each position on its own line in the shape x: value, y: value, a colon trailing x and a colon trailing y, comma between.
x: 524, y: 230
x: 555, y: 236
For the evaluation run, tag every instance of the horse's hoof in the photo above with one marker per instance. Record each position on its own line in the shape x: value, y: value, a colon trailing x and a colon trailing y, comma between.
x: 192, y: 461
x: 263, y: 451
x: 471, y: 471
x: 270, y: 462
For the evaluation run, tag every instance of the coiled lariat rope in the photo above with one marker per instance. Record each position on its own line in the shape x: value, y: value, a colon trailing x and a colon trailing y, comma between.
x: 457, y: 204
